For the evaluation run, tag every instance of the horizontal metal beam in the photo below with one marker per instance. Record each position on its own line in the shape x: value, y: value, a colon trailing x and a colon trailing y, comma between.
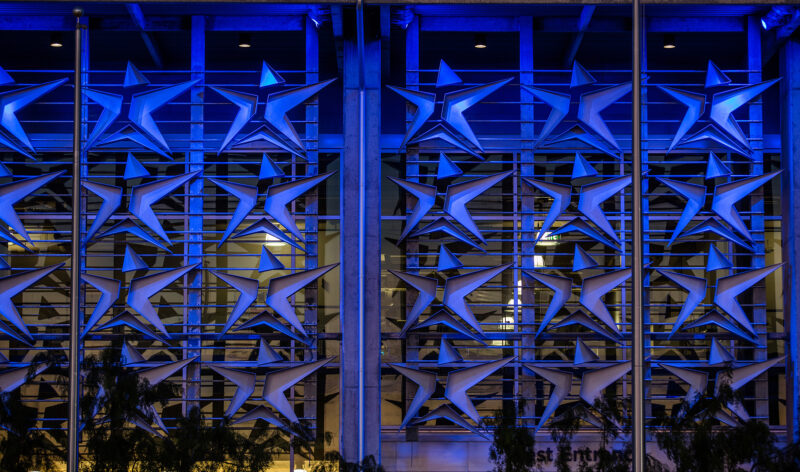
x: 716, y: 24
x: 427, y: 23
x: 154, y: 23
x: 469, y: 23
x: 565, y: 24
x: 454, y: 2
x: 256, y: 23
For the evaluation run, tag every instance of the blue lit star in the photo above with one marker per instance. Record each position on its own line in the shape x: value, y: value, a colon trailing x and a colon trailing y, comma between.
x: 591, y: 124
x: 722, y: 128
x: 12, y: 135
x: 723, y: 202
x: 725, y: 293
x: 453, y: 127
x: 276, y: 128
x: 142, y: 128
x: 456, y: 198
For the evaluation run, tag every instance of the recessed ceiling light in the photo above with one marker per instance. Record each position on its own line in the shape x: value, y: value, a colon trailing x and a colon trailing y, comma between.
x: 480, y: 41
x: 55, y: 40
x: 244, y: 40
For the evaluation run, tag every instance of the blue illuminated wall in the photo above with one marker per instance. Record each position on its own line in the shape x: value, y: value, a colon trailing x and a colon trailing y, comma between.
x: 219, y: 194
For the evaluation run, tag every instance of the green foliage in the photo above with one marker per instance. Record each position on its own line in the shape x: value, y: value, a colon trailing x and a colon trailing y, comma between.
x: 23, y: 447
x: 612, y: 415
x: 694, y: 440
x: 512, y: 448
x: 334, y: 462
x: 196, y: 446
x: 562, y: 429
x: 113, y: 398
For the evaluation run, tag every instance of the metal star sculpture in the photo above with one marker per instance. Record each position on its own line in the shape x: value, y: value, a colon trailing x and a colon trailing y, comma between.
x: 279, y: 290
x: 735, y: 378
x: 725, y: 293
x: 723, y: 205
x: 276, y: 127
x: 275, y: 204
x: 276, y: 382
x: 142, y: 128
x: 11, y: 286
x: 12, y: 134
x: 591, y: 128
x: 452, y: 126
x: 721, y: 128
x: 142, y: 198
x: 456, y: 289
x: 457, y: 196
x: 590, y: 200
x: 138, y: 299
x: 455, y: 391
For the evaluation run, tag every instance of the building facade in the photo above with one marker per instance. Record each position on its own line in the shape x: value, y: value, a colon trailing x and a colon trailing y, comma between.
x: 385, y: 222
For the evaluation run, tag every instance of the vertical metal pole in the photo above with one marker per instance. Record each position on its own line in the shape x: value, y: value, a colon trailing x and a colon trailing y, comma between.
x: 412, y: 79
x: 528, y: 223
x: 637, y: 312
x: 755, y: 110
x: 73, y: 432
x: 646, y: 251
x: 194, y: 202
x: 314, y: 390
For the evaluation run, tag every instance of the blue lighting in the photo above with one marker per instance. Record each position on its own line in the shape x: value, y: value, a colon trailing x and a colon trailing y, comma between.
x: 311, y: 198
x: 778, y: 15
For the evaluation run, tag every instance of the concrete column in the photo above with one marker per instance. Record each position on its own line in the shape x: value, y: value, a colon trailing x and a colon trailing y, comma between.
x: 360, y: 377
x: 790, y: 210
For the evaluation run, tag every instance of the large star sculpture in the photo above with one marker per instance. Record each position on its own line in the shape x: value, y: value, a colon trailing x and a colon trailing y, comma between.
x: 726, y: 374
x: 142, y: 128
x: 279, y: 290
x: 139, y: 293
x: 278, y: 197
x: 12, y: 134
x: 590, y: 129
x: 276, y: 127
x: 12, y: 286
x: 13, y: 192
x: 142, y: 198
x: 281, y: 377
x: 456, y: 198
x: 456, y: 289
x: 590, y: 200
x: 455, y: 391
x: 718, y: 126
x: 592, y: 291
x: 452, y: 126
x: 723, y: 204
x: 593, y: 381
x: 725, y: 293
